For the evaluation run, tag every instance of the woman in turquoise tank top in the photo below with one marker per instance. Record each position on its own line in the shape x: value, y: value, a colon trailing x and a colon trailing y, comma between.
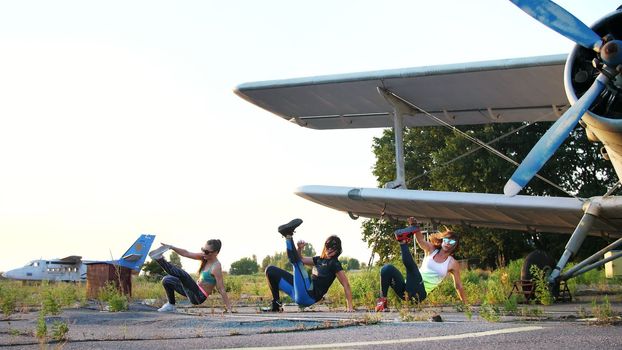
x: 419, y: 282
x: 178, y: 280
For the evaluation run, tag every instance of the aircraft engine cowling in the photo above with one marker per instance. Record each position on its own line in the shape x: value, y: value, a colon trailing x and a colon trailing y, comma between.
x: 580, y: 73
x: 603, y: 120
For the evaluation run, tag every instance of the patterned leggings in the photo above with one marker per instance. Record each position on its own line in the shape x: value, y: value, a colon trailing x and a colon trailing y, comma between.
x: 181, y: 282
x: 298, y: 285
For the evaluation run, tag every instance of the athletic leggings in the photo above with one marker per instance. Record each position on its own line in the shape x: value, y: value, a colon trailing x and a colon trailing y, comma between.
x: 181, y: 282
x: 390, y: 276
x: 298, y: 285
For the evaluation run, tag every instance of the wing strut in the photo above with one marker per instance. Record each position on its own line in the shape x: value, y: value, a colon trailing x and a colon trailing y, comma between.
x: 399, y: 110
x: 591, y: 212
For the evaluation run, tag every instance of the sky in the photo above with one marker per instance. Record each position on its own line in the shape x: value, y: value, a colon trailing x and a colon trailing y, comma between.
x: 118, y: 117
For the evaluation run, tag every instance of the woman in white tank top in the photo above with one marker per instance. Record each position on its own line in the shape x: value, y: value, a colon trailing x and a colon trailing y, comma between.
x: 420, y: 282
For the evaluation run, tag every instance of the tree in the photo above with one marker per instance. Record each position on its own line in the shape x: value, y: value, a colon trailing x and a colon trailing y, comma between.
x: 244, y: 266
x: 279, y: 259
x: 349, y: 263
x: 433, y: 162
x: 175, y: 259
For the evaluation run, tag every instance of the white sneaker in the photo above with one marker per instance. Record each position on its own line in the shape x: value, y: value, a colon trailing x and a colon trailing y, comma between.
x: 168, y: 307
x: 157, y: 253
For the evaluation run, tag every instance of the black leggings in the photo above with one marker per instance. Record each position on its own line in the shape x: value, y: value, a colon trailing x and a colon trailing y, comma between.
x: 181, y: 282
x: 390, y: 276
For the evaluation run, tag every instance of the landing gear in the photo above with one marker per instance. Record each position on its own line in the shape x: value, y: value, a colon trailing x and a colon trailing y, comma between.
x: 543, y: 262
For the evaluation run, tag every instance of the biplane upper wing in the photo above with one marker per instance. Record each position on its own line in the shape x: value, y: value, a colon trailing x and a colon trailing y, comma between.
x: 498, y: 91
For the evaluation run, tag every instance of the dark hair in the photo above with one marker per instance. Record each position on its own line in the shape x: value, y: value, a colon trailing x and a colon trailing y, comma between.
x: 333, y: 242
x: 216, y: 245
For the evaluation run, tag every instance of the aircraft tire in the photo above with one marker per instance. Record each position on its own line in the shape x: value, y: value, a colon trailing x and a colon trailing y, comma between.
x: 544, y: 262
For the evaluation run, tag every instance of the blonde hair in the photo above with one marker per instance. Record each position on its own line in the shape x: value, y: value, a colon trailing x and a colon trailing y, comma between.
x: 437, y: 239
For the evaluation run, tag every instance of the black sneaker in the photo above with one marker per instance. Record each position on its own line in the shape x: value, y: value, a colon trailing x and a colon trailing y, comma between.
x: 276, y: 307
x: 288, y: 228
x: 436, y: 318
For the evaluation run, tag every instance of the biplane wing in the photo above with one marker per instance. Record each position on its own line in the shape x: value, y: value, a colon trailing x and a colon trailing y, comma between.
x: 500, y: 91
x: 524, y: 89
x: 524, y: 213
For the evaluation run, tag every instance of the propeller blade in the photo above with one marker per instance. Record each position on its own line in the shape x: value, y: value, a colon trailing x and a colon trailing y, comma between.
x: 552, y: 139
x: 557, y: 18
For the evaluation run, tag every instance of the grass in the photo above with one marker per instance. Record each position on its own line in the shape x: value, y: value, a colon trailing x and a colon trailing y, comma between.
x: 490, y: 289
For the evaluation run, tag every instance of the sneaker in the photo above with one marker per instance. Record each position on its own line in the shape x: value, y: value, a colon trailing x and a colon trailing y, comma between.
x: 381, y: 305
x: 436, y: 318
x: 159, y: 252
x: 288, y: 228
x: 276, y: 306
x: 406, y: 234
x: 168, y: 307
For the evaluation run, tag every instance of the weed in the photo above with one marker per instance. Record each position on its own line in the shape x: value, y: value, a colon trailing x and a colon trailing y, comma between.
x: 542, y: 292
x: 49, y: 304
x: 370, y: 318
x: 60, y: 331
x: 603, y: 313
x: 531, y: 312
x: 510, y: 305
x: 41, y: 332
x: 8, y: 300
x: 490, y: 313
x: 466, y: 308
x: 110, y: 295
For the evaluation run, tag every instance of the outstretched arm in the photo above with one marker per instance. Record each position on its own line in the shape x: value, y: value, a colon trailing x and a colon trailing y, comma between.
x: 454, y: 269
x: 425, y: 245
x: 220, y: 285
x: 343, y: 279
x: 186, y: 254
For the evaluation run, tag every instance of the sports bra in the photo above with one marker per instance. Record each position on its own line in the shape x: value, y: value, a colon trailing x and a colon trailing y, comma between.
x: 207, y: 276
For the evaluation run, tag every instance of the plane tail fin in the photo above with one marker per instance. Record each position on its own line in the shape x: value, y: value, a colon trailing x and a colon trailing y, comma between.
x: 135, y: 256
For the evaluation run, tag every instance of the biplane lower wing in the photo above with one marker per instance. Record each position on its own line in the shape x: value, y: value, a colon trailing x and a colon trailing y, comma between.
x: 525, y: 213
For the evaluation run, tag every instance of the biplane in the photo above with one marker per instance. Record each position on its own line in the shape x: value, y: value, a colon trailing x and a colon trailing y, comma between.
x: 581, y: 87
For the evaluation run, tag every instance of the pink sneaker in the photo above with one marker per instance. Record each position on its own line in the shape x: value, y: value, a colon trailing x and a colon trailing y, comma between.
x: 381, y: 305
x: 406, y: 234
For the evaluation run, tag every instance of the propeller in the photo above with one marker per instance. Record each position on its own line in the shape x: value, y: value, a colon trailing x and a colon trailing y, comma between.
x: 560, y: 20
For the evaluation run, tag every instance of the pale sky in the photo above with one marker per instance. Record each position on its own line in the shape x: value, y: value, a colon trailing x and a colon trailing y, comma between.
x: 118, y: 118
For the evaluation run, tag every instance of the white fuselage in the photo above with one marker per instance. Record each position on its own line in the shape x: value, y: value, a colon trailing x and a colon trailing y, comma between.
x: 49, y: 270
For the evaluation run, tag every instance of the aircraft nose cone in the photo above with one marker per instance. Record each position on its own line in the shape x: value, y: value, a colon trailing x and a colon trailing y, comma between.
x: 610, y: 53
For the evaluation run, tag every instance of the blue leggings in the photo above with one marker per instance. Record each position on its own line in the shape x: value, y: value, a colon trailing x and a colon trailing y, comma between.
x: 297, y: 286
x: 390, y: 276
x: 181, y: 282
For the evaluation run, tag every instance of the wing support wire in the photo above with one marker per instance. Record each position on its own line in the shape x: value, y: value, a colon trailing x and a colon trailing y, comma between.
x: 405, y: 107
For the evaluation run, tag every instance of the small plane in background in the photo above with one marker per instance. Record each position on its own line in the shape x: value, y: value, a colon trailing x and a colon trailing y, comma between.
x: 73, y: 268
x: 583, y: 87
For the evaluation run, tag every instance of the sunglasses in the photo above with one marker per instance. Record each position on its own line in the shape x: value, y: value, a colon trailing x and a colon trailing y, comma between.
x: 207, y: 251
x: 449, y: 241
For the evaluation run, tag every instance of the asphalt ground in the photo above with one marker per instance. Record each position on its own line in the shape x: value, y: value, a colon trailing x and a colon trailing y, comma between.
x: 567, y: 325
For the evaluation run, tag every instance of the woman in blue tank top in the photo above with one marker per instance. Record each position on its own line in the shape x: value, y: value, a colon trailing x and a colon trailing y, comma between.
x: 437, y: 263
x: 178, y: 280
